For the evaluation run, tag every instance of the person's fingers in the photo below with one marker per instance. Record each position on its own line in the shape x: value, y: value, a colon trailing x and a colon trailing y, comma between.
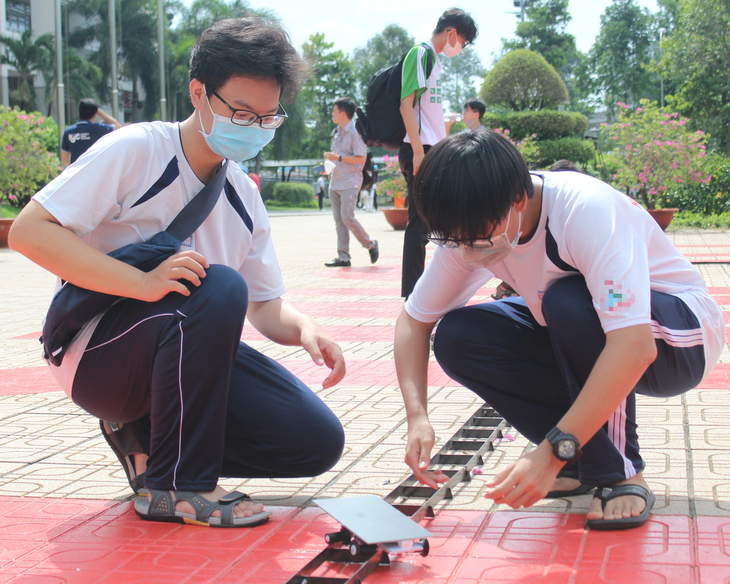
x: 339, y: 369
x: 311, y: 347
x: 191, y: 264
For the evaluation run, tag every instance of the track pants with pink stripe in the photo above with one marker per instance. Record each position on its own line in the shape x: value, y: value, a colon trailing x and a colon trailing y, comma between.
x: 532, y: 374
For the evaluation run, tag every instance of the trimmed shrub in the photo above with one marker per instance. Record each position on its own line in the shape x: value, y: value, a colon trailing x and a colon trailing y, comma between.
x: 267, y: 190
x: 573, y: 149
x: 544, y: 125
x: 523, y: 80
x: 294, y: 194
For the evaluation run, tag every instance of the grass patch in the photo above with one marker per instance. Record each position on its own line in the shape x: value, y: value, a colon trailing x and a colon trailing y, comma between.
x: 272, y: 205
x: 8, y: 212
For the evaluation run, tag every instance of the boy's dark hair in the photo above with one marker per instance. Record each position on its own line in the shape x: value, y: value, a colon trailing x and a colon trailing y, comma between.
x: 246, y: 47
x: 467, y: 184
x: 347, y: 105
x: 564, y: 165
x: 87, y: 108
x: 477, y: 105
x: 461, y: 21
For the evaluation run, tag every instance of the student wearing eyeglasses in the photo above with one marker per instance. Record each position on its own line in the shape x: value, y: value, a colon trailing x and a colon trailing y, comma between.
x: 608, y: 309
x: 182, y: 401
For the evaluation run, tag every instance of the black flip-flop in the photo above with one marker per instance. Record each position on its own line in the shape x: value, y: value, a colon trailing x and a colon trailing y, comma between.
x: 123, y: 442
x: 605, y: 494
x: 571, y: 473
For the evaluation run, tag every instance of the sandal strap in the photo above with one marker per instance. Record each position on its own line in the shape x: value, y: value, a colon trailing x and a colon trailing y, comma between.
x: 205, y: 508
x: 605, y: 494
x: 162, y: 503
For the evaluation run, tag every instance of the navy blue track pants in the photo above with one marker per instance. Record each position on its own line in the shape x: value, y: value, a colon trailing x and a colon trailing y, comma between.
x: 532, y: 374
x: 214, y: 406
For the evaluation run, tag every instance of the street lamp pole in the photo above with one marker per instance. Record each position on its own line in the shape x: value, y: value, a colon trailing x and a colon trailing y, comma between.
x: 661, y: 66
x: 113, y: 57
x: 60, y: 105
x: 161, y: 51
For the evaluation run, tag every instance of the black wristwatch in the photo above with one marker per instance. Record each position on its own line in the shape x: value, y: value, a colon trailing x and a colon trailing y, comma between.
x: 565, y: 446
x: 340, y: 158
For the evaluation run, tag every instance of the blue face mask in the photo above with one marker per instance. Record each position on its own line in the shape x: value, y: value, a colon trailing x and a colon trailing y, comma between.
x: 234, y: 142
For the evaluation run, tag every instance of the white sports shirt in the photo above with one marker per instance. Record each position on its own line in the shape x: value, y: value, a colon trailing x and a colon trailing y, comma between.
x: 588, y: 227
x: 131, y: 184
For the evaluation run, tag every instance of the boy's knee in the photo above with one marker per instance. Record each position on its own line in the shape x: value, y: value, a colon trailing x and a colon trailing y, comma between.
x: 227, y: 290
x: 566, y: 298
x: 330, y: 447
x: 453, y: 326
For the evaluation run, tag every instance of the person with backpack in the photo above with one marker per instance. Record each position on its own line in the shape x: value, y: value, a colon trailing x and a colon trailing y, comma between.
x: 349, y: 155
x: 182, y: 400
x: 423, y: 116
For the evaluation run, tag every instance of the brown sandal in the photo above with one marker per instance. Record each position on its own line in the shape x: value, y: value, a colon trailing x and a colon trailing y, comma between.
x: 504, y: 291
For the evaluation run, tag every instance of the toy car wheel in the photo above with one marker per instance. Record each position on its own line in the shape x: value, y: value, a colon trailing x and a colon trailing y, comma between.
x: 426, y: 547
x: 354, y: 549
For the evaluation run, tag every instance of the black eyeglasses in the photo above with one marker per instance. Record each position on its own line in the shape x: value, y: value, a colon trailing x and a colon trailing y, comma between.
x: 242, y: 117
x: 454, y: 243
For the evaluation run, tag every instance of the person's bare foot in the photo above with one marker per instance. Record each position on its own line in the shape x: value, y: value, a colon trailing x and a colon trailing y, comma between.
x: 626, y: 506
x: 242, y: 509
x: 140, y: 463
x: 565, y: 484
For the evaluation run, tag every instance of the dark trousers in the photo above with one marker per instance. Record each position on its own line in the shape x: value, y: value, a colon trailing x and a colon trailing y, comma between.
x: 415, y: 237
x: 214, y: 406
x: 532, y: 374
x: 320, y: 196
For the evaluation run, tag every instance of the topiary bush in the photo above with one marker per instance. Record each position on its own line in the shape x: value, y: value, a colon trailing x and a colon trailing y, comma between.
x: 574, y: 149
x: 544, y: 125
x: 26, y: 164
x: 267, y: 190
x: 294, y: 194
x: 523, y: 80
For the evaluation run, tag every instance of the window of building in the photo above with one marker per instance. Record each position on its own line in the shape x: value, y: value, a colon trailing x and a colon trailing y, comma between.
x: 17, y: 15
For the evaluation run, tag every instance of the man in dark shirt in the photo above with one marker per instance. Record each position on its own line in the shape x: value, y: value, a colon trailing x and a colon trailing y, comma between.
x: 79, y: 137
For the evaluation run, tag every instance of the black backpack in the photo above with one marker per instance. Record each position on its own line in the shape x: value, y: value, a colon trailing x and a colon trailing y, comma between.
x: 381, y: 124
x: 367, y: 173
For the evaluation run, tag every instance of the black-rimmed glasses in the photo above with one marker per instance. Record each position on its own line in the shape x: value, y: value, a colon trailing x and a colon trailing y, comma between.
x: 242, y: 117
x: 454, y: 243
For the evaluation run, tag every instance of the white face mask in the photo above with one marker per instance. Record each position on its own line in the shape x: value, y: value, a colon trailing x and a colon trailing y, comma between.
x: 486, y: 256
x: 453, y: 50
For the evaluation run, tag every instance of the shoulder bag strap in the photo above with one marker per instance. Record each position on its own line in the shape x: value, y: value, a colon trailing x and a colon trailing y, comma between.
x: 197, y: 210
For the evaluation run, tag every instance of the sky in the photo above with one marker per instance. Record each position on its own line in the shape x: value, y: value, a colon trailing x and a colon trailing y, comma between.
x: 351, y: 24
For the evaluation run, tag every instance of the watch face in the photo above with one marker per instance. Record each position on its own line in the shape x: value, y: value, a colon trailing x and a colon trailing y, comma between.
x: 566, y: 448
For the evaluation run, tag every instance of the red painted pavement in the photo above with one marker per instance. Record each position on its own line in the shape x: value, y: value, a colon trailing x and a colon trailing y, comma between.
x: 46, y: 540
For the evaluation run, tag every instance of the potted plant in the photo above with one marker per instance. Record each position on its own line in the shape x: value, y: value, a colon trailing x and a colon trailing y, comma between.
x: 28, y: 143
x: 394, y: 185
x: 655, y: 151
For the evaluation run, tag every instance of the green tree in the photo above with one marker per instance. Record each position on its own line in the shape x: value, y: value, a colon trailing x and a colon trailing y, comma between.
x: 616, y: 66
x: 697, y: 58
x: 544, y: 33
x: 203, y: 13
x: 80, y: 77
x: 28, y: 57
x: 137, y: 45
x: 523, y: 80
x: 457, y: 77
x: 383, y: 50
x: 334, y: 77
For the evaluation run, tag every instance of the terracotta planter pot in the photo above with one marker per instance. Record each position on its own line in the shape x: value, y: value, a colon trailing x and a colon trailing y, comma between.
x: 4, y: 229
x: 397, y: 218
x: 662, y: 216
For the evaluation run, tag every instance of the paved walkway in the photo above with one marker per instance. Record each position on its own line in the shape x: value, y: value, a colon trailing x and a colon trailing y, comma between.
x: 66, y: 512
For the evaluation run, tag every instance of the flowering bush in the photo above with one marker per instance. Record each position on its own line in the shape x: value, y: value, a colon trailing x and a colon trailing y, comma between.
x: 26, y: 164
x: 394, y: 183
x: 527, y: 146
x: 707, y: 198
x: 655, y: 151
